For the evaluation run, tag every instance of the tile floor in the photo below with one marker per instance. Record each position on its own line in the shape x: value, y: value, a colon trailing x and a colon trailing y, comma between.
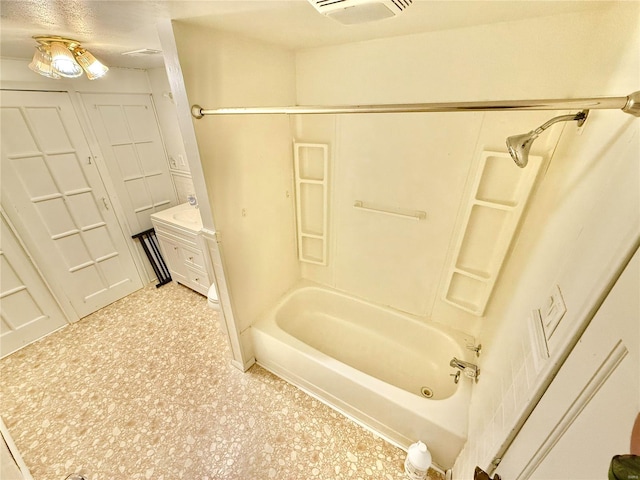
x: 144, y: 389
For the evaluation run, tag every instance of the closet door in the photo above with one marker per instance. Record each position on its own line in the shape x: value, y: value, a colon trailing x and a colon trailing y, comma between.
x: 127, y: 130
x: 54, y: 196
x: 29, y: 310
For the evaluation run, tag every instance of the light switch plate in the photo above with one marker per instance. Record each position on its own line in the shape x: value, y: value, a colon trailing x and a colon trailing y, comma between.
x: 539, y: 345
x: 552, y: 311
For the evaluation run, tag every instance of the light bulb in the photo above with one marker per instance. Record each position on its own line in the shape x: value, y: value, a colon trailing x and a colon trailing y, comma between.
x: 63, y: 62
x: 41, y: 63
x: 90, y: 64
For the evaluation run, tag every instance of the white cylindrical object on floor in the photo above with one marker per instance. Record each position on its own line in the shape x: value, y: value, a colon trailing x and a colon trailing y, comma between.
x: 214, y: 302
x: 417, y: 462
x: 212, y: 297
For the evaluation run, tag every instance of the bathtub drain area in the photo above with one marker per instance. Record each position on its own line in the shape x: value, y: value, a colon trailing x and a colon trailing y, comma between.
x: 426, y: 392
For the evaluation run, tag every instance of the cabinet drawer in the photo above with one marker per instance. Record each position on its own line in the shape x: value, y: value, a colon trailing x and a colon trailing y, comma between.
x: 198, y: 280
x: 176, y: 236
x: 193, y: 258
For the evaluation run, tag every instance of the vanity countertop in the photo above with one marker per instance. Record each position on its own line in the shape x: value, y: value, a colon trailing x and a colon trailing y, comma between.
x: 183, y: 215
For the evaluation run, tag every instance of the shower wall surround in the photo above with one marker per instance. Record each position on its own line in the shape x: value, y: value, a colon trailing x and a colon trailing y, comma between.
x: 424, y: 161
x: 397, y: 161
x: 420, y: 162
x: 409, y: 162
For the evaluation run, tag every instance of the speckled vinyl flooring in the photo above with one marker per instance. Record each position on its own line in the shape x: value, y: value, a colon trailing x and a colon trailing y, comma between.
x: 143, y: 389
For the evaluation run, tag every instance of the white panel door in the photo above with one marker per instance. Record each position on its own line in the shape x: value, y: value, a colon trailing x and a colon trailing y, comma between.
x: 129, y: 136
x: 586, y: 415
x: 54, y: 195
x: 28, y: 310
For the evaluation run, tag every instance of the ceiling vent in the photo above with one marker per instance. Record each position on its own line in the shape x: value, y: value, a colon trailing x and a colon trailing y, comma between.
x: 352, y: 12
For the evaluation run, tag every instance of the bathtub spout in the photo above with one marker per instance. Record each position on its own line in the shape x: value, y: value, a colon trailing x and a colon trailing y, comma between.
x: 469, y: 369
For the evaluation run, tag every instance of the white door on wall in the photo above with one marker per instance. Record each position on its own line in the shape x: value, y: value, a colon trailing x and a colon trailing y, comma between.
x: 586, y: 415
x: 127, y: 130
x: 29, y: 310
x: 54, y: 195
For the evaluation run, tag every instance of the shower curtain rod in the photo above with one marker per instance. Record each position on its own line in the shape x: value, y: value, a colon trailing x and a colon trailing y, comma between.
x: 629, y: 104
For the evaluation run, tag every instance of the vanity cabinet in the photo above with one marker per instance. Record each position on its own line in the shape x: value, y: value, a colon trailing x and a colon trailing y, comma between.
x: 182, y: 245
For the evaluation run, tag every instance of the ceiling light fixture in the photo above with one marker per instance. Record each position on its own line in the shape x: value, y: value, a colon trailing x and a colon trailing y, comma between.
x: 57, y: 57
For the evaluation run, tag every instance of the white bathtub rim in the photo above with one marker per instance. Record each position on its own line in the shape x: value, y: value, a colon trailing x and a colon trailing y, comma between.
x: 457, y: 420
x: 274, y: 329
x: 448, y: 416
x: 461, y: 337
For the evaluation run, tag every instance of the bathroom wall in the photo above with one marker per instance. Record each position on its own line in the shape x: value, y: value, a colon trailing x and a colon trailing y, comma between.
x: 424, y: 161
x: 416, y: 161
x: 583, y: 222
x: 410, y: 162
x: 173, y: 141
x: 247, y: 161
x: 582, y: 215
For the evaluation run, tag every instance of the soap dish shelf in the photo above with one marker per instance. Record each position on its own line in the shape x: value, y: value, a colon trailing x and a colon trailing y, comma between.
x: 311, y: 168
x: 498, y: 196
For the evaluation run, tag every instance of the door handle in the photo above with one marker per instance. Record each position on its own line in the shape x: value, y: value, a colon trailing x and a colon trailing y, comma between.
x: 105, y: 203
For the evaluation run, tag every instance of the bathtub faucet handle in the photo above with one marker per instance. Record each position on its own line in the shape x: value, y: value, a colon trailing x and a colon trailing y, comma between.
x: 470, y: 370
x: 475, y: 348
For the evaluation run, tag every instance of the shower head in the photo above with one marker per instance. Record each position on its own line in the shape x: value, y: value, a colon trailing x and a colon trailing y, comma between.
x: 519, y: 145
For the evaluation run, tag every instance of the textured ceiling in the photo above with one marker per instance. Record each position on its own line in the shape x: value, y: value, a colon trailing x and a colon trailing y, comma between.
x: 110, y: 27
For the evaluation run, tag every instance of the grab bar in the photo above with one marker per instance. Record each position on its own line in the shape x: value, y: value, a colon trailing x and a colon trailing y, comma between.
x: 396, y: 212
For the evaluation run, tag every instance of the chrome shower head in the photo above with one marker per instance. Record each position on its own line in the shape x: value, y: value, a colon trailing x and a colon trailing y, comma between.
x: 519, y: 145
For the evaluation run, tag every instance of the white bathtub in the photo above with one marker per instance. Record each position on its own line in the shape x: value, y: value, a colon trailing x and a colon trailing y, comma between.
x: 371, y: 363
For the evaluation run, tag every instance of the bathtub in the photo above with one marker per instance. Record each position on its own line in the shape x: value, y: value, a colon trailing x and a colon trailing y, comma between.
x: 373, y: 364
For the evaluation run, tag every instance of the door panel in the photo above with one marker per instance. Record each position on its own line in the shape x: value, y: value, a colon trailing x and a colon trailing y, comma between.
x: 129, y: 136
x: 59, y: 203
x: 28, y: 311
x: 586, y: 415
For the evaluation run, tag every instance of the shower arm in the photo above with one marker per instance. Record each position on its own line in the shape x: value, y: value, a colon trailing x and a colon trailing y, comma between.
x: 629, y: 104
x: 519, y: 145
x: 580, y: 117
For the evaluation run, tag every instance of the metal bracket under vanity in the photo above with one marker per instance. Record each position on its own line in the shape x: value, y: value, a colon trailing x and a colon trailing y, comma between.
x: 149, y: 243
